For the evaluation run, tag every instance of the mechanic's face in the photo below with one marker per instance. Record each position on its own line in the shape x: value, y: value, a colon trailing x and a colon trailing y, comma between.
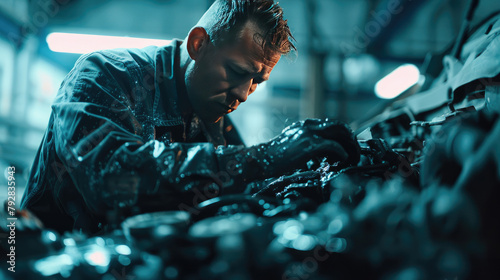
x: 223, y: 77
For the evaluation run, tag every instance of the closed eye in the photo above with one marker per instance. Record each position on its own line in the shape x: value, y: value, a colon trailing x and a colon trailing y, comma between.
x: 239, y: 72
x: 243, y: 74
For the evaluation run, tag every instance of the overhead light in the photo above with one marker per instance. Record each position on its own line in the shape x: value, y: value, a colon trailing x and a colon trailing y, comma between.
x: 85, y: 43
x: 397, y: 82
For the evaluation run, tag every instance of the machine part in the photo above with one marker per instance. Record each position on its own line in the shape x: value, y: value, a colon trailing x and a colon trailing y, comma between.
x: 457, y: 48
x: 232, y: 204
x: 486, y: 154
x: 492, y: 95
x: 461, y: 152
x: 462, y: 36
x: 145, y: 228
x: 440, y: 120
x: 220, y: 226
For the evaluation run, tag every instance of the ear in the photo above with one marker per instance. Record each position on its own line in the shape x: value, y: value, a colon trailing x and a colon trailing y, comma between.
x: 197, y: 41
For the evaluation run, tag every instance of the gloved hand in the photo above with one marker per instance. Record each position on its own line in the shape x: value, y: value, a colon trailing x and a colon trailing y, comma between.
x: 291, y: 150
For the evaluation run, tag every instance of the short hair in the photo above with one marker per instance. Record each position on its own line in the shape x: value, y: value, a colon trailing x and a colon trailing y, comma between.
x: 225, y: 18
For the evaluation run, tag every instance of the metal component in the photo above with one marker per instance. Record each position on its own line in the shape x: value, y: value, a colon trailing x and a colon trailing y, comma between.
x: 220, y: 226
x: 144, y: 228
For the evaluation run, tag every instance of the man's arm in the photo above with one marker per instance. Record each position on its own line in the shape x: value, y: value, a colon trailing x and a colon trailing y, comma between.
x: 100, y: 142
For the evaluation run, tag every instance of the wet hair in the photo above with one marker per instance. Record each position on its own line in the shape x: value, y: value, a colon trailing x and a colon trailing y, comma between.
x: 225, y: 19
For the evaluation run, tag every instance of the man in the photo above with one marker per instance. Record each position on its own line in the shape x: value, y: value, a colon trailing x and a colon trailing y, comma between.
x: 148, y: 127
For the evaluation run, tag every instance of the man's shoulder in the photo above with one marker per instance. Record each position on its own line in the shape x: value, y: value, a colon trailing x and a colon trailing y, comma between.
x: 124, y: 59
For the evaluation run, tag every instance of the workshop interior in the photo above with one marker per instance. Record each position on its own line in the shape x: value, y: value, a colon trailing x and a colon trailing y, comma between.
x: 417, y: 81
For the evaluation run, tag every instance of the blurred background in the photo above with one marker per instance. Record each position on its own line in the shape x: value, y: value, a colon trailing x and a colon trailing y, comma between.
x: 344, y: 48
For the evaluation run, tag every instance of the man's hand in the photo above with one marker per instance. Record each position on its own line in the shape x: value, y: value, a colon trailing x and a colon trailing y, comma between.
x: 299, y: 143
x: 309, y: 140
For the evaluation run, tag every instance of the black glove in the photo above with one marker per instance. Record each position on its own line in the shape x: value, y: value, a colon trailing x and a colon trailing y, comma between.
x: 291, y: 150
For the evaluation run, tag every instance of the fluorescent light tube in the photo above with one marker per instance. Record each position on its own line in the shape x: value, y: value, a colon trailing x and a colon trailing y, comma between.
x: 85, y: 43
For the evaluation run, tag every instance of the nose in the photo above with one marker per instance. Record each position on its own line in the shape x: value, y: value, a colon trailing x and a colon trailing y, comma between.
x: 242, y: 91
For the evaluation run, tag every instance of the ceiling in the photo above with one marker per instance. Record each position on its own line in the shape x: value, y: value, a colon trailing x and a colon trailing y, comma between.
x: 413, y: 27
x: 390, y: 30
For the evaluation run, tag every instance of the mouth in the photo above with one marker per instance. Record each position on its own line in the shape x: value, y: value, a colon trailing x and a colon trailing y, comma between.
x: 227, y: 109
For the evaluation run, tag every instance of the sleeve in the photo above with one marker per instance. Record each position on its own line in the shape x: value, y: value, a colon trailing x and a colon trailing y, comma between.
x: 97, y: 139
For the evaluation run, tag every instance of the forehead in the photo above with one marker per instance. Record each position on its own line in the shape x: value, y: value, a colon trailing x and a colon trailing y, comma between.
x: 247, y: 48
